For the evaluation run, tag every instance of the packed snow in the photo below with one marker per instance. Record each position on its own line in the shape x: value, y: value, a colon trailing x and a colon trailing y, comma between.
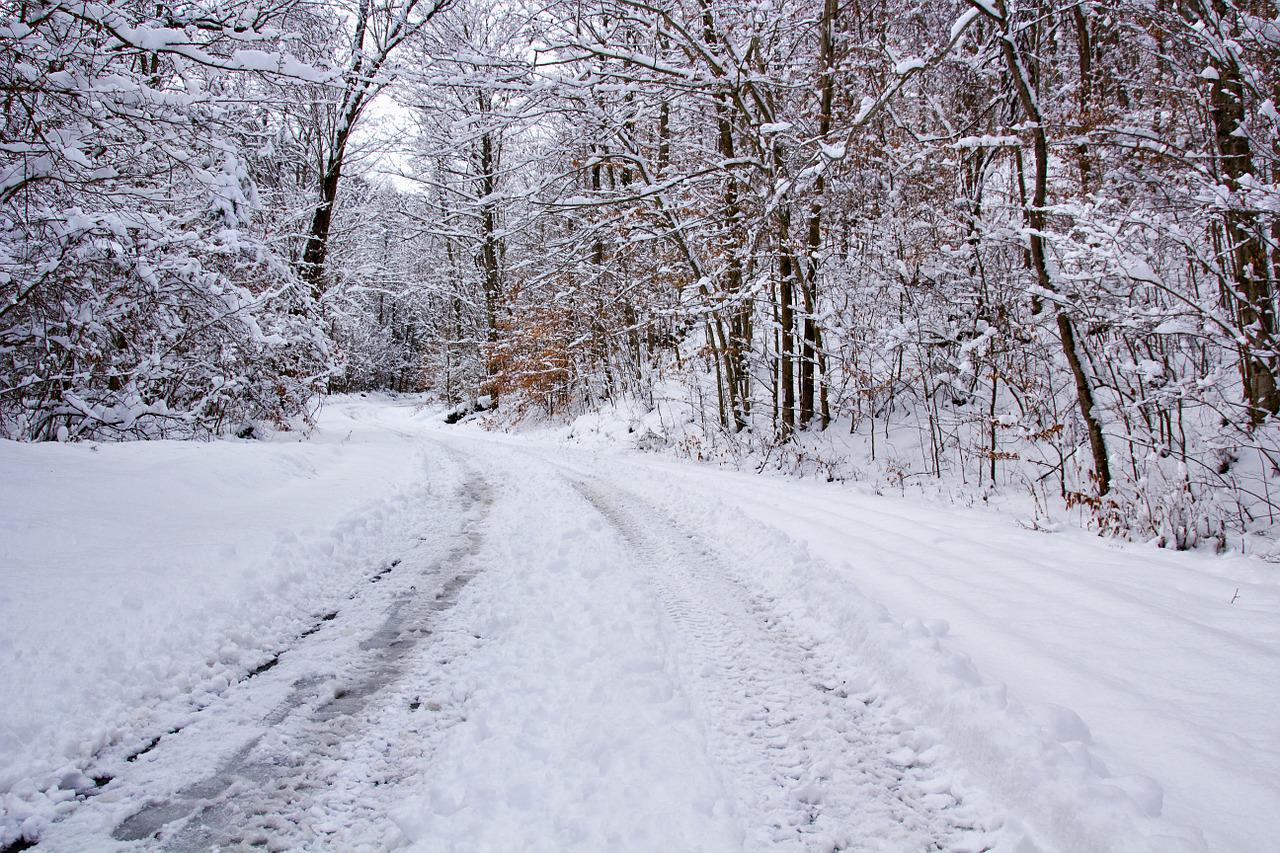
x: 397, y: 634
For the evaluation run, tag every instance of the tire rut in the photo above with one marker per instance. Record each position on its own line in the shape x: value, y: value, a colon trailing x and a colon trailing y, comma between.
x: 263, y: 796
x: 813, y: 764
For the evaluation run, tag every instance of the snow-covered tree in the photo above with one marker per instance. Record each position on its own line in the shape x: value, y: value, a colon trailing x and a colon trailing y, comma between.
x: 139, y: 299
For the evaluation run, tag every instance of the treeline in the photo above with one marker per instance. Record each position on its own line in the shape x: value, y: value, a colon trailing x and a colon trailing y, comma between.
x: 1043, y: 235
x: 167, y: 179
x: 1041, y: 238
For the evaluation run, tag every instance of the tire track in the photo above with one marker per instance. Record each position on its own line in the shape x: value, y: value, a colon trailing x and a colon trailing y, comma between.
x: 263, y: 796
x: 289, y: 776
x: 812, y: 764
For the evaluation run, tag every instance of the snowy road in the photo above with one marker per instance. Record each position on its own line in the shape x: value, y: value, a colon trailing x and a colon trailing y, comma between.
x: 564, y: 650
x: 694, y: 718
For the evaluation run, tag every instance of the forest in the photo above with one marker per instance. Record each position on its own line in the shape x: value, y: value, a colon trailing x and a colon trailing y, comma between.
x: 1033, y: 243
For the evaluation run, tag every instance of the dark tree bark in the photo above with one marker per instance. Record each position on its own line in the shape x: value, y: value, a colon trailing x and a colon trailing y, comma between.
x: 1250, y: 295
x: 812, y: 333
x: 787, y: 320
x: 1036, y: 224
x: 362, y: 85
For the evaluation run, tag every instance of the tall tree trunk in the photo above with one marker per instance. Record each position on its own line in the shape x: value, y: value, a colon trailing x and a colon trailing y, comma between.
x: 812, y: 334
x: 490, y: 248
x: 738, y: 341
x: 1036, y: 224
x: 371, y: 45
x: 787, y: 320
x: 1252, y: 291
x: 808, y: 357
x: 1084, y: 53
x: 317, y: 245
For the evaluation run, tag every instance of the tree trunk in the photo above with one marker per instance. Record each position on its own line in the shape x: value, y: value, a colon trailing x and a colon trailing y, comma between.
x: 812, y: 334
x: 1084, y: 52
x: 787, y: 320
x: 490, y: 262
x: 317, y: 245
x: 1036, y: 224
x: 1251, y: 295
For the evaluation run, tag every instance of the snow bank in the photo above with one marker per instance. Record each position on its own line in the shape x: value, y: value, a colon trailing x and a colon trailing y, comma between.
x: 139, y: 579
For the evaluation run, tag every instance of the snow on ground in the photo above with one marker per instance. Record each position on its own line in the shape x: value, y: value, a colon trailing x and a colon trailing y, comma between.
x: 492, y: 642
x: 144, y: 573
x: 1159, y: 669
x: 1135, y: 658
x: 634, y: 697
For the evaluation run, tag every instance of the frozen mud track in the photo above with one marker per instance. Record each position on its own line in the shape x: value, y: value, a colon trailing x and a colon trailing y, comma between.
x: 811, y: 763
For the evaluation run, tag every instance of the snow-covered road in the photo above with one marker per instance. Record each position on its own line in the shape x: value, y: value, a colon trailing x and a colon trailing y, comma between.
x: 548, y: 648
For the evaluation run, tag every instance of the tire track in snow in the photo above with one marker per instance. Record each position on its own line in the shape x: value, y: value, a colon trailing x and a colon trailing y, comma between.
x: 285, y: 786
x: 813, y: 766
x: 265, y: 795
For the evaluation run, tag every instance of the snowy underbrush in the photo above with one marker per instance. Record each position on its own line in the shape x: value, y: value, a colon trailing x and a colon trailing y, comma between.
x: 141, y: 580
x: 1225, y: 498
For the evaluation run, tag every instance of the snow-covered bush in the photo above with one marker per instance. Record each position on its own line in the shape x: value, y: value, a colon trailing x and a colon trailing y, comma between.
x: 136, y: 298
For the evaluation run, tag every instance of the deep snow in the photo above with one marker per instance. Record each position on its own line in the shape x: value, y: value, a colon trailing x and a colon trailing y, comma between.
x: 541, y: 647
